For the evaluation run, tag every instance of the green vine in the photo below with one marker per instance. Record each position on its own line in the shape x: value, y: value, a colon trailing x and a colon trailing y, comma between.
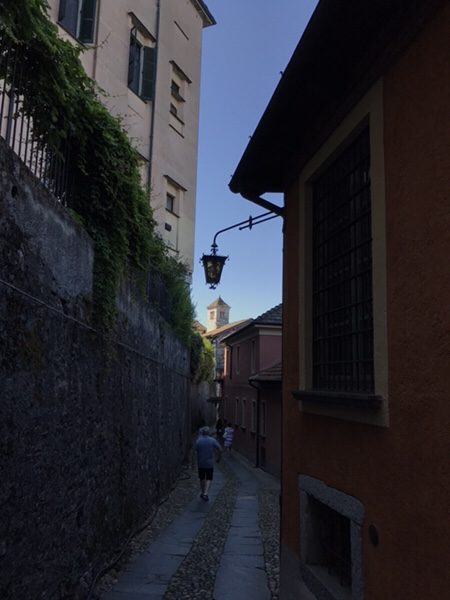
x: 202, y: 359
x: 106, y: 194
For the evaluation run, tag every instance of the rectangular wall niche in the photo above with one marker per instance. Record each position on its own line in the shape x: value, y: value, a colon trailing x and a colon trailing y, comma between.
x: 330, y: 541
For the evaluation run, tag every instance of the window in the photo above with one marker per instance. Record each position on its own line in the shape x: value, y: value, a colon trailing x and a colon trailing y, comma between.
x: 175, y: 90
x: 238, y: 358
x: 342, y: 273
x: 333, y: 550
x: 179, y: 85
x: 243, y: 410
x: 236, y: 412
x: 263, y: 418
x: 227, y: 362
x: 253, y: 356
x: 78, y: 18
x: 253, y: 417
x: 141, y: 66
x: 230, y: 364
x: 330, y: 540
x: 174, y: 194
x: 211, y: 314
x: 170, y: 203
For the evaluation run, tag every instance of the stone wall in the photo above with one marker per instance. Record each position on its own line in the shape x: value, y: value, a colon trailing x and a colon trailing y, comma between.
x: 202, y: 411
x: 93, y: 430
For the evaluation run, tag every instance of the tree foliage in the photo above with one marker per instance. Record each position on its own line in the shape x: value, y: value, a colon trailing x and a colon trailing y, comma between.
x: 106, y: 193
x: 202, y: 359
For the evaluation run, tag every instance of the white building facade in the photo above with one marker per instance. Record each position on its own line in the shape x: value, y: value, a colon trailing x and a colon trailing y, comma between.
x: 146, y: 56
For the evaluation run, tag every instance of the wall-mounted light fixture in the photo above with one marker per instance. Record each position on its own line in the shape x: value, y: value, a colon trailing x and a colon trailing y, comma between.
x: 213, y: 263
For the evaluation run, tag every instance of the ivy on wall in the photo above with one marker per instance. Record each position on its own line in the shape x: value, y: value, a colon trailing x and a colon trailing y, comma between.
x: 202, y: 359
x: 106, y: 193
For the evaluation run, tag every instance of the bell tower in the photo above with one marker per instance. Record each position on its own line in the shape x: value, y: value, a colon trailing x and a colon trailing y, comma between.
x: 218, y: 314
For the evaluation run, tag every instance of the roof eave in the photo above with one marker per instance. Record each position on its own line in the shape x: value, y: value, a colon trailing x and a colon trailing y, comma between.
x: 204, y: 13
x: 344, y: 49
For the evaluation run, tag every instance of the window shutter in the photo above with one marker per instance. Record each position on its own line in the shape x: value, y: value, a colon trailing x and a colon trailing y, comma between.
x: 134, y: 64
x: 68, y: 15
x: 148, y: 73
x: 131, y: 59
x: 87, y: 21
x: 62, y: 10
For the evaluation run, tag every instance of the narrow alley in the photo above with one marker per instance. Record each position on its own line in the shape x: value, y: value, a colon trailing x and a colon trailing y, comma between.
x: 224, y: 549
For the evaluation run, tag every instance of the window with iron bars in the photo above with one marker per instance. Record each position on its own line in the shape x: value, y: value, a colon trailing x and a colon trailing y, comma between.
x: 333, y: 544
x: 342, y: 273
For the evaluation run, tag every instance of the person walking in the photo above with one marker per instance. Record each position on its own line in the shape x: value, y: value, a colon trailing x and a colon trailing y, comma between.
x: 219, y: 429
x: 205, y: 447
x: 228, y: 437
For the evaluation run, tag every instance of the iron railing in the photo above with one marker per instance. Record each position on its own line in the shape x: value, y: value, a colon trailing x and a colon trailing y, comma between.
x: 49, y: 165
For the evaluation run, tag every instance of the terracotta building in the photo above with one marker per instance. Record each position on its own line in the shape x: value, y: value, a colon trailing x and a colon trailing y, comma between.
x: 145, y: 55
x: 252, y: 389
x: 357, y: 137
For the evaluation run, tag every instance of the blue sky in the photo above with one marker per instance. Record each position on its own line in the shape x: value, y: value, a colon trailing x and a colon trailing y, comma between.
x: 241, y: 62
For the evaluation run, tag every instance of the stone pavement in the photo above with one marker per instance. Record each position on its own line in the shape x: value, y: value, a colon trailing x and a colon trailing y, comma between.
x: 214, y: 550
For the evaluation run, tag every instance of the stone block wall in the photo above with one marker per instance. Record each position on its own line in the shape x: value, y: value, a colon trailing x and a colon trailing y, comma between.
x: 93, y: 429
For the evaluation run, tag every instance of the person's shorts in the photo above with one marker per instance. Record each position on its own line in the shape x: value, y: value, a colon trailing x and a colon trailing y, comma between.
x: 205, y: 473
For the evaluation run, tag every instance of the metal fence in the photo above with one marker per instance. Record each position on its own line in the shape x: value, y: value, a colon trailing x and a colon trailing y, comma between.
x: 48, y: 165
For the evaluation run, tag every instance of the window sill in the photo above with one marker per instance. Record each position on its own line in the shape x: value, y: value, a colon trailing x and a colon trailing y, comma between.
x: 372, y: 409
x: 145, y: 101
x: 324, y: 585
x: 176, y: 130
x: 175, y: 116
x: 89, y: 44
x: 177, y: 97
x: 172, y: 213
x: 370, y: 402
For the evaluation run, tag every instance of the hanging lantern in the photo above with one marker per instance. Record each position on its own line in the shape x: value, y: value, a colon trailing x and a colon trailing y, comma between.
x: 213, y: 265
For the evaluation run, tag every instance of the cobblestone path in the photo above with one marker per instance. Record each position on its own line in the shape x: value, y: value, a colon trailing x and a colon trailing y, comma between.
x: 226, y: 549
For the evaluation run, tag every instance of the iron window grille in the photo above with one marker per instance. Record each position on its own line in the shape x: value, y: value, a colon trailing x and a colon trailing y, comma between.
x: 342, y: 273
x: 334, y: 548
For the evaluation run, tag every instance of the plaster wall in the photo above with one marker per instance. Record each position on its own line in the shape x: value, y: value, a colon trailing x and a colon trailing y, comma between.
x: 93, y: 428
x: 272, y: 440
x: 244, y: 440
x: 174, y: 156
x: 398, y: 472
x: 269, y: 348
x: 237, y: 389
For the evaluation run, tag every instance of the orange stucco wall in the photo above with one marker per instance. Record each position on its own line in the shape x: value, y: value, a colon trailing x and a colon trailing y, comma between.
x: 399, y: 473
